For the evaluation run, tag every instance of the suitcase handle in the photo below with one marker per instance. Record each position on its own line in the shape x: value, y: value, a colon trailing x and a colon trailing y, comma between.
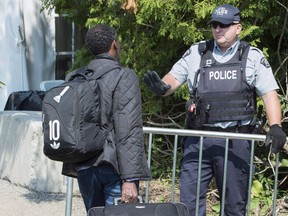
x: 117, y: 200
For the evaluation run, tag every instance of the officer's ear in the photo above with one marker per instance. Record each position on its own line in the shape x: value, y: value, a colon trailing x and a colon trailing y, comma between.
x: 238, y: 28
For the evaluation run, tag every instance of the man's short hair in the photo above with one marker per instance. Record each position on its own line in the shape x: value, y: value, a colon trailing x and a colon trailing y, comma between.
x: 99, y: 38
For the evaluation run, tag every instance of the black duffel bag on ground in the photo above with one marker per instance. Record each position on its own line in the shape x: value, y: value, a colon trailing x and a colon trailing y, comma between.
x: 25, y: 100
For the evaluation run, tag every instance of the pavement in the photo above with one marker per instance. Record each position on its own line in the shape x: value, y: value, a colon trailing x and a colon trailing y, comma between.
x: 16, y: 200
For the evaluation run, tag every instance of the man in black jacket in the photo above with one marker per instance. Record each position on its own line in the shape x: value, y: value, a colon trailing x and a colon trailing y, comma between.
x: 117, y: 170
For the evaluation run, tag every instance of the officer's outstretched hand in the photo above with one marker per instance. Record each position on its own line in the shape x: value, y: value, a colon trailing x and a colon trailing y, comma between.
x: 278, y: 137
x: 154, y: 82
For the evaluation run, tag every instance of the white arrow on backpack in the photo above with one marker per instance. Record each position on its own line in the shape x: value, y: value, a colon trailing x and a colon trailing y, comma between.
x: 58, y: 97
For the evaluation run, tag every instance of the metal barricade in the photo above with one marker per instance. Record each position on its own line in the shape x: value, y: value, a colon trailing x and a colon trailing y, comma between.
x: 153, y: 131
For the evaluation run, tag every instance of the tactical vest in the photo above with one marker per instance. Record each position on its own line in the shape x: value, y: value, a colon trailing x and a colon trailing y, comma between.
x: 223, y: 92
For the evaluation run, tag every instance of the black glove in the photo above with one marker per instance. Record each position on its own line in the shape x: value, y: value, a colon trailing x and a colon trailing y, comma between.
x: 278, y: 137
x: 154, y: 82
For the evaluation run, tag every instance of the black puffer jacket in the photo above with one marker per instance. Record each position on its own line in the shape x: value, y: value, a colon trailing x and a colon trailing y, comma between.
x: 120, y: 105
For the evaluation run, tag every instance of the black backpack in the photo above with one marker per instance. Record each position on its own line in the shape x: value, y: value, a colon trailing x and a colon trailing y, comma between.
x: 71, y: 117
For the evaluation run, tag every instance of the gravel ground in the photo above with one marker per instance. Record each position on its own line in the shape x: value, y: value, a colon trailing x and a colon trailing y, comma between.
x: 18, y: 201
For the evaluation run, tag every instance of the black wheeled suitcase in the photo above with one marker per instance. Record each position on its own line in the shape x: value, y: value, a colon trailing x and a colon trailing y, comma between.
x: 141, y: 209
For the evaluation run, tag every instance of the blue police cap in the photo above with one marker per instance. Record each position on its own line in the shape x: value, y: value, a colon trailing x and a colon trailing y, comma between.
x: 225, y: 14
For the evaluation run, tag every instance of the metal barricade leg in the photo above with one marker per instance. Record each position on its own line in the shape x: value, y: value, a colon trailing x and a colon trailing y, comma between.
x: 250, y: 176
x: 149, y: 166
x: 275, y: 185
x: 199, y: 176
x: 174, y: 167
x: 69, y: 194
x: 224, y: 178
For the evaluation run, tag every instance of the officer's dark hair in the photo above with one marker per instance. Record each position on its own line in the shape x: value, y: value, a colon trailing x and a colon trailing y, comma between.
x: 99, y: 38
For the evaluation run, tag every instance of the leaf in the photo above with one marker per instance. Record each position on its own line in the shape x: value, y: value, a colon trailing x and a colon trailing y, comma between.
x: 254, y: 203
x: 284, y: 162
x: 216, y: 208
x: 257, y: 188
x: 1, y: 83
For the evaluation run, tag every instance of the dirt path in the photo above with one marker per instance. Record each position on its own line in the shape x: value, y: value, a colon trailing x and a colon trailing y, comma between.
x: 18, y: 201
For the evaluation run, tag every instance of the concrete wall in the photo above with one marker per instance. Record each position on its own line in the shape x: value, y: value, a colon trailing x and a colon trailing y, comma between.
x: 22, y: 160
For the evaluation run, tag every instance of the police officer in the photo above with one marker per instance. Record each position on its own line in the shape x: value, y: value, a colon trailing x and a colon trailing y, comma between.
x: 228, y: 75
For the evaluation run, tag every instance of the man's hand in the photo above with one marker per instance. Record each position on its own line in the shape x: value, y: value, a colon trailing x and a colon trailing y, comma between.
x: 154, y: 82
x: 129, y: 192
x: 278, y: 137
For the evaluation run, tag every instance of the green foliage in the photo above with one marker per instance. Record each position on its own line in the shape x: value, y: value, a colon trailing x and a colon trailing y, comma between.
x: 161, y: 167
x: 156, y: 35
x: 82, y: 57
x: 216, y: 209
x: 284, y: 105
x: 284, y: 162
x: 261, y: 194
x: 1, y: 83
x: 76, y: 10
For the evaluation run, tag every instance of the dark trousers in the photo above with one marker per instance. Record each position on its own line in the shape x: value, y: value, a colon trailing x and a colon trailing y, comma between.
x: 213, y: 166
x: 99, y: 185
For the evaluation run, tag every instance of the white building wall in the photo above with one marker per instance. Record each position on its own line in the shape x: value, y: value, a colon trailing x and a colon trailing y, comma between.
x: 27, y: 46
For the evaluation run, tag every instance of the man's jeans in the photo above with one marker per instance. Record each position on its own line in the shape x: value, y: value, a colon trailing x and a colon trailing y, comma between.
x: 99, y: 185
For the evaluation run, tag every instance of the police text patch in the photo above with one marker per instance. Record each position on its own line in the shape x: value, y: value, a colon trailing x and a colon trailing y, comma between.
x: 265, y: 62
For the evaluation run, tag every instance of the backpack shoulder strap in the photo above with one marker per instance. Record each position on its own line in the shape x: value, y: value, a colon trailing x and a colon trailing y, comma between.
x: 87, y: 72
x: 76, y: 73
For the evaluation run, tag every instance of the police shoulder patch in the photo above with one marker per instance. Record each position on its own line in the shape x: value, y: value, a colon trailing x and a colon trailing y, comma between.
x: 188, y: 52
x: 265, y: 62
